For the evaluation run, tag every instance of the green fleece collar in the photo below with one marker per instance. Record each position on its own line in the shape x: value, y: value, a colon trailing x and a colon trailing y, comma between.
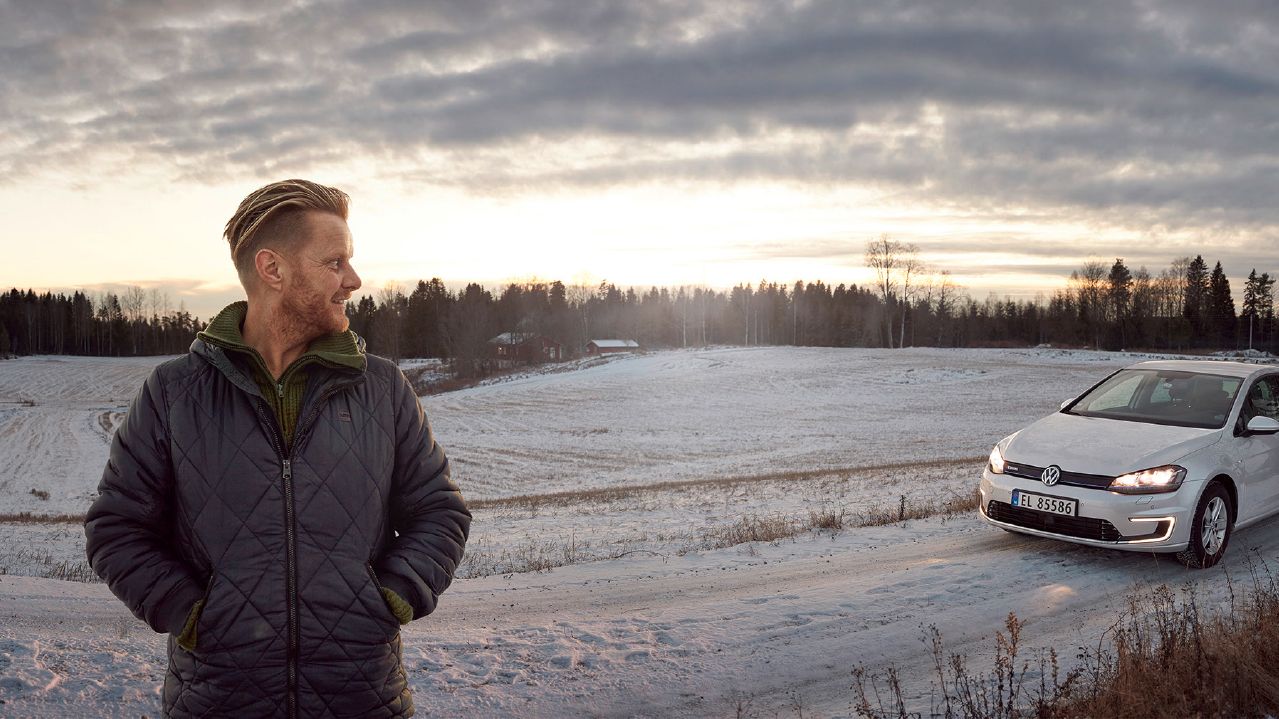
x: 338, y: 348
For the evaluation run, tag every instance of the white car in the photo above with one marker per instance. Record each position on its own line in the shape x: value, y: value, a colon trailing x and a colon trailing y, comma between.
x: 1165, y: 456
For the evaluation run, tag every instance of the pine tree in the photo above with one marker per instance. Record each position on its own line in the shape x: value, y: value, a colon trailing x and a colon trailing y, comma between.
x: 1196, y: 295
x: 1118, y: 297
x: 1266, y: 307
x: 1249, y: 308
x: 1248, y: 318
x: 1221, y: 308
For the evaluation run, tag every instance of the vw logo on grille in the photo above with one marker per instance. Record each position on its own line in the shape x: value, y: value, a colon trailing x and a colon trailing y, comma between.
x: 1050, y: 475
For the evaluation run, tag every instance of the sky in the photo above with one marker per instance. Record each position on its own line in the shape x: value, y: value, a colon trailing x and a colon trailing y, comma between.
x: 641, y: 143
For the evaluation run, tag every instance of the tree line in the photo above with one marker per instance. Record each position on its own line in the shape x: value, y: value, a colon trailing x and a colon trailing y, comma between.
x: 134, y: 322
x: 1186, y: 306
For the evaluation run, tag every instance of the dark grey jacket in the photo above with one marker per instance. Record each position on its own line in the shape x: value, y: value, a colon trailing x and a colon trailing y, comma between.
x: 289, y: 550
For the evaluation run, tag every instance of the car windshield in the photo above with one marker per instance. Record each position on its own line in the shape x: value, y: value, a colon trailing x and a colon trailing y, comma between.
x: 1183, y: 399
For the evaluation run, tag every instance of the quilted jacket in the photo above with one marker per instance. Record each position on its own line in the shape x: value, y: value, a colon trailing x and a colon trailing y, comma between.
x: 288, y: 548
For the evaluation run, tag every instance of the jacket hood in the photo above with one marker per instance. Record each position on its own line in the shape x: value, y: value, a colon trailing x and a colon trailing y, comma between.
x: 1110, y: 447
x: 343, y: 348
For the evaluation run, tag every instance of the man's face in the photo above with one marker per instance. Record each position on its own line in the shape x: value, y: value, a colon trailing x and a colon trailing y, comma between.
x: 320, y: 277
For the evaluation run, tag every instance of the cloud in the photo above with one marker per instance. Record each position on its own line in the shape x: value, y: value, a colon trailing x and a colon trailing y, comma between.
x: 1132, y: 114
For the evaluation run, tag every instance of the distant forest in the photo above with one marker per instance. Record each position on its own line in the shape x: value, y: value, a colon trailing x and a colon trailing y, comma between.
x: 1186, y: 306
x: 135, y: 322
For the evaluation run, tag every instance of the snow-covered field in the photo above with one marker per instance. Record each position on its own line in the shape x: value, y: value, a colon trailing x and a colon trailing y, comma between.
x: 57, y: 415
x: 731, y: 412
x: 650, y: 459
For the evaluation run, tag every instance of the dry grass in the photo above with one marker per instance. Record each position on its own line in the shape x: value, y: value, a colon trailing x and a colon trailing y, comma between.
x: 606, y: 495
x: 533, y: 556
x: 827, y: 519
x: 546, y: 554
x: 44, y: 565
x: 752, y: 528
x: 906, y: 510
x: 1167, y: 656
x: 1172, y: 658
x: 29, y: 518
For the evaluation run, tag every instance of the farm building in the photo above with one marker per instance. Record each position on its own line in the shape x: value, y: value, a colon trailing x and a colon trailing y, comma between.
x: 604, y: 347
x: 512, y: 348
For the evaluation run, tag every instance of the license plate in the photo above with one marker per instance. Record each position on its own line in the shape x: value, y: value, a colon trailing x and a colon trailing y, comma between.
x: 1041, y: 503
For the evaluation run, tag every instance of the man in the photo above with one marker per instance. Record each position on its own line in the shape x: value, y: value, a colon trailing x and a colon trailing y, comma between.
x: 275, y: 500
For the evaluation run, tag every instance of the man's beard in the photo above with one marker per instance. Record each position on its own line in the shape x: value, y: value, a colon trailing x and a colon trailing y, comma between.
x: 310, y: 312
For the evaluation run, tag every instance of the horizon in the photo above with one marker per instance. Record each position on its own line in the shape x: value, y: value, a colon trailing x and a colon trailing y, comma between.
x: 213, y: 300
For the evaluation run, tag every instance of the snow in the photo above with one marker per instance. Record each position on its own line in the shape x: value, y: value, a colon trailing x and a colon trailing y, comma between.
x: 653, y: 454
x: 651, y: 637
x: 680, y: 415
x: 57, y: 415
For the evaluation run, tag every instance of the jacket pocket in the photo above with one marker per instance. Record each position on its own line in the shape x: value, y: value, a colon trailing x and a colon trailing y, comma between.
x: 387, y: 612
x: 204, y: 601
x: 199, y: 615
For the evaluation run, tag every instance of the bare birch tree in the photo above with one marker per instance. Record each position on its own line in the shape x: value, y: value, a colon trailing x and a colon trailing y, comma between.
x: 1086, y: 283
x: 882, y: 257
x: 911, y: 268
x: 898, y: 271
x: 133, y: 303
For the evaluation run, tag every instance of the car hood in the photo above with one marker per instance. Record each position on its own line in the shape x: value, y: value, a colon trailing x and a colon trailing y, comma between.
x: 1093, y: 445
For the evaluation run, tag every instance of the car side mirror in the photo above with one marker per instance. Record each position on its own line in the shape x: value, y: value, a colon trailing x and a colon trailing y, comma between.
x: 1262, y: 425
x: 1066, y: 403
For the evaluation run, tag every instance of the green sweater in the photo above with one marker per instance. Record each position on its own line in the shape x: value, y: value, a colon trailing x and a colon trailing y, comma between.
x: 283, y: 393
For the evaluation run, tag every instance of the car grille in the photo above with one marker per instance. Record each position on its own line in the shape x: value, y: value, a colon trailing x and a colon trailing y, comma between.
x: 1073, y: 479
x: 1081, y: 527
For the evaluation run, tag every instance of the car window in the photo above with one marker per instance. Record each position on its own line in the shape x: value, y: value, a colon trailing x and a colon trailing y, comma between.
x: 1174, y: 397
x: 1120, y: 394
x: 1263, y: 398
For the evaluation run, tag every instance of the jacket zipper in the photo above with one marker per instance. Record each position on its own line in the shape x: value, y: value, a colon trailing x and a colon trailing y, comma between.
x: 290, y: 543
x: 286, y: 478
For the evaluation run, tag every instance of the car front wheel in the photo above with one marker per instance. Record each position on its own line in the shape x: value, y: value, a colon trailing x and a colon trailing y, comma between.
x: 1210, y: 530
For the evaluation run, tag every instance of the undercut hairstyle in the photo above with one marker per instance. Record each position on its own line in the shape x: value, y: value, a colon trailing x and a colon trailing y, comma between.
x: 274, y: 217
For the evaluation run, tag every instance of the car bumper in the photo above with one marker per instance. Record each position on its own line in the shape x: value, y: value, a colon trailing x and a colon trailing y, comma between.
x: 1139, y: 523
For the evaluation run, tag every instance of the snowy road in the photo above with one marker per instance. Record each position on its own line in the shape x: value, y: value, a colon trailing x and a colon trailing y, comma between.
x: 771, y: 628
x: 786, y: 626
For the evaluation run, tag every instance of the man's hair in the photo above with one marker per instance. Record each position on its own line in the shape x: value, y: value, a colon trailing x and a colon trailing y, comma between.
x: 273, y: 216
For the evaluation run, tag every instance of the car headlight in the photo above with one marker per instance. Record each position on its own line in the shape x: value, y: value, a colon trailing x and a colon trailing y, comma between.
x: 1150, y: 481
x: 996, y: 460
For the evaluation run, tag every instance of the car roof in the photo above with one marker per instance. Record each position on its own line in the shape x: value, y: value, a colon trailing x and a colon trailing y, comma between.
x: 1219, y: 367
